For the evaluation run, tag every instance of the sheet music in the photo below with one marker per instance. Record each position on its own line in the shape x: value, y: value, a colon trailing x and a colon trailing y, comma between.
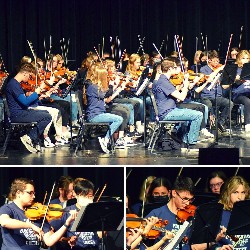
x: 142, y: 87
x: 178, y: 237
x: 78, y: 219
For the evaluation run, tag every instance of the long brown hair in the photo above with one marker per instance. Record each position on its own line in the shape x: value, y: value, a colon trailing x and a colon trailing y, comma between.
x: 231, y: 186
x: 130, y: 67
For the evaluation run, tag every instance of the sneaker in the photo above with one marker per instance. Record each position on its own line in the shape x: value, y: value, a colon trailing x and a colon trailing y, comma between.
x: 134, y: 134
x: 103, y: 145
x: 129, y: 141
x: 65, y: 140
x: 120, y: 143
x: 47, y: 143
x: 27, y: 142
x: 60, y: 142
x: 206, y: 133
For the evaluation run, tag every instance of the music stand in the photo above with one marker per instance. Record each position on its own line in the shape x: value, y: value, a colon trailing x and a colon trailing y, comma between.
x: 99, y: 216
x: 202, y: 198
x: 151, y: 206
x: 245, y: 73
x: 239, y: 222
x: 206, y: 223
x: 228, y: 77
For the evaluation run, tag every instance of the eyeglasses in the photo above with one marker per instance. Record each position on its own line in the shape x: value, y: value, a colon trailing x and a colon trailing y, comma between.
x: 216, y: 184
x: 29, y: 192
x: 185, y: 199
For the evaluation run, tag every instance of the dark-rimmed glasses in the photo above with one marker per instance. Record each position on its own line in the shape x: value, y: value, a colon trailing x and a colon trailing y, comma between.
x: 185, y: 199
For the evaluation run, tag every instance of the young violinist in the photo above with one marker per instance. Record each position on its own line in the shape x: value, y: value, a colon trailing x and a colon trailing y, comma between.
x: 235, y: 189
x: 212, y: 92
x: 64, y: 191
x: 82, y: 240
x: 241, y: 88
x: 96, y: 88
x: 181, y: 196
x: 19, y: 104
x: 18, y: 231
x: 166, y: 96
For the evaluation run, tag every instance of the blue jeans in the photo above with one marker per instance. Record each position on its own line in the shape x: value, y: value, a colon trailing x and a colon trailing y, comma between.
x: 193, y: 117
x: 115, y: 120
x: 206, y: 111
x: 140, y: 115
x: 74, y: 111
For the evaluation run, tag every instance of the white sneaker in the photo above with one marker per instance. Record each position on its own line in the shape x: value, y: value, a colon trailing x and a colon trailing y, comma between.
x: 103, y: 145
x: 120, y: 143
x: 247, y: 127
x: 27, y: 142
x: 129, y: 141
x: 205, y: 132
x: 48, y: 143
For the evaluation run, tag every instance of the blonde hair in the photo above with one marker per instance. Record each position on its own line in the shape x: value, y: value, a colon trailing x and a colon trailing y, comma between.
x: 97, y: 74
x: 130, y: 67
x: 240, y: 55
x: 230, y: 187
x: 26, y: 59
x: 197, y: 54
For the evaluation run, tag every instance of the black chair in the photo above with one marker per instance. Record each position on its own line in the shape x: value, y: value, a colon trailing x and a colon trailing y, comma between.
x: 85, y: 126
x: 10, y: 126
x: 159, y: 125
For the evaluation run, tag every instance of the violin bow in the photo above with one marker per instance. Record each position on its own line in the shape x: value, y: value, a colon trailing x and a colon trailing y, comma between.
x: 180, y: 172
x: 1, y: 59
x: 35, y: 58
x: 102, y: 46
x: 180, y: 54
x: 241, y: 31
x: 121, y: 59
x: 203, y: 43
x: 47, y: 208
x: 45, y: 196
x: 98, y: 56
x: 237, y: 170
x: 101, y: 193
x: 166, y: 46
x: 141, y: 42
x: 196, y: 49
x: 129, y: 172
x: 196, y: 183
x: 161, y: 46
x: 158, y: 51
x: 144, y: 197
x: 228, y: 48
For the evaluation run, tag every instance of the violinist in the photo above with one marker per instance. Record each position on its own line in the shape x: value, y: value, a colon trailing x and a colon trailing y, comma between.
x: 234, y: 51
x: 181, y: 196
x: 215, y: 181
x: 52, y: 65
x: 235, y: 189
x: 18, y: 231
x: 18, y: 104
x: 64, y: 191
x: 197, y: 63
x: 211, y: 92
x: 82, y: 240
x: 166, y: 96
x: 241, y: 91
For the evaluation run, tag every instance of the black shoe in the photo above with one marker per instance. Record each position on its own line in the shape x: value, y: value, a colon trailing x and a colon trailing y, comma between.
x: 221, y: 128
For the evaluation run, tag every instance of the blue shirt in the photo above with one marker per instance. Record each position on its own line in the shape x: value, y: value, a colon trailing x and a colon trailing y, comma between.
x: 173, y: 225
x: 95, y: 101
x: 162, y: 90
x: 17, y: 101
x: 210, y: 93
x: 21, y: 238
x: 244, y: 240
x: 84, y: 239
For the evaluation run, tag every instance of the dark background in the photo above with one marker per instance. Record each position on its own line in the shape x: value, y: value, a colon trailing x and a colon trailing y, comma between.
x: 138, y: 175
x: 44, y: 177
x: 86, y: 22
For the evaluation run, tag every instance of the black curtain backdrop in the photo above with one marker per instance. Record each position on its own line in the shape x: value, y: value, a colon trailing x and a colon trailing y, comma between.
x: 44, y: 177
x: 86, y: 22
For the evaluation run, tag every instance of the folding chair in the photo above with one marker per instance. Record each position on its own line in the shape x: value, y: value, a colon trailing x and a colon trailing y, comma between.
x: 159, y: 125
x: 84, y: 125
x: 11, y: 126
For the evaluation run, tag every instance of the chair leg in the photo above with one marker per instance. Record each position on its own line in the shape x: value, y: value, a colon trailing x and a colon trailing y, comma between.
x: 152, y: 136
x: 6, y: 142
x: 156, y: 137
x: 79, y: 138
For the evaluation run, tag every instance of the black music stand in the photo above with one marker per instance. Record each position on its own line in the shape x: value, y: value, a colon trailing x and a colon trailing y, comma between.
x: 239, y: 222
x: 206, y: 223
x: 99, y: 216
x: 151, y: 206
x: 228, y: 77
x: 202, y: 198
x: 245, y: 73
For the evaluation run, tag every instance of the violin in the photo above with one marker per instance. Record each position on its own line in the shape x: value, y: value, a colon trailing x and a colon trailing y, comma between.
x: 133, y: 221
x: 185, y: 214
x: 38, y: 211
x: 177, y: 79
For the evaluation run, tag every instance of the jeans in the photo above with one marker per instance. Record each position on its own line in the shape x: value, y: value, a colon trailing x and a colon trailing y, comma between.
x: 245, y: 100
x: 140, y: 116
x: 194, y: 119
x: 115, y: 121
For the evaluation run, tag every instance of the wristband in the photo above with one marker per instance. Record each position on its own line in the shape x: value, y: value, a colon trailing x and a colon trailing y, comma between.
x: 67, y: 226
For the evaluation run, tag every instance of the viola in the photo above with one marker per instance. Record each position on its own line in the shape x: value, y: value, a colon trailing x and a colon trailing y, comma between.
x: 185, y: 214
x: 38, y: 211
x: 133, y: 221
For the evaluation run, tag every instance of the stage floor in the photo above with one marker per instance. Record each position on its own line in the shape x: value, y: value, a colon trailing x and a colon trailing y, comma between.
x: 16, y: 154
